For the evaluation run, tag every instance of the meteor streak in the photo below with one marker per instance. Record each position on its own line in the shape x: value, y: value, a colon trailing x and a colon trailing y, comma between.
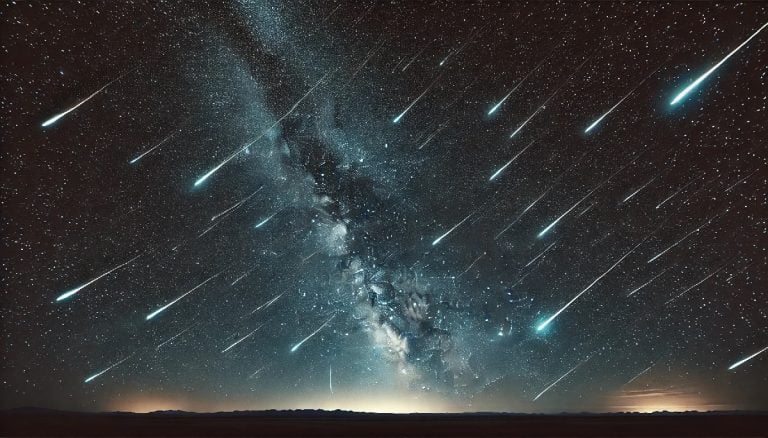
x: 550, y: 226
x: 237, y: 204
x: 747, y: 359
x: 267, y: 219
x: 56, y: 118
x: 501, y: 169
x: 268, y: 303
x: 133, y: 161
x: 330, y: 378
x: 558, y: 380
x: 639, y: 374
x: 175, y: 336
x: 675, y: 193
x: 600, y: 119
x: 680, y: 96
x: 695, y: 285
x: 451, y: 230
x: 296, y: 347
x: 263, y: 133
x: 107, y: 369
x: 541, y: 254
x: 544, y: 104
x: 739, y: 181
x: 687, y: 236
x: 632, y: 195
x: 69, y: 293
x: 242, y: 339
x: 160, y: 310
x: 637, y: 289
x: 544, y: 325
x: 519, y: 83
x: 417, y: 55
x: 397, y: 119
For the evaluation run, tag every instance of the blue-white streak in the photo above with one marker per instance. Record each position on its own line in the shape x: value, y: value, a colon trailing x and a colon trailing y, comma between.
x: 160, y: 310
x: 747, y: 359
x: 71, y: 292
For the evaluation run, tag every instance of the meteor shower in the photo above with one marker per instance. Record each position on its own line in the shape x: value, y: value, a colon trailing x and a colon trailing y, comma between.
x: 386, y: 207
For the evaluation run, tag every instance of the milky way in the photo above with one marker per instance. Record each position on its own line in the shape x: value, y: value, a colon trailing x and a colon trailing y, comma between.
x: 385, y: 206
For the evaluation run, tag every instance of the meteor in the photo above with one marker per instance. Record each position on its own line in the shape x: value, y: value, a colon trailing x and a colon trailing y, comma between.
x: 639, y: 374
x: 268, y: 303
x: 461, y: 49
x: 700, y: 227
x: 56, y: 118
x: 330, y: 378
x: 471, y: 265
x: 519, y: 83
x: 160, y: 310
x: 89, y: 379
x: 558, y: 380
x: 747, y: 359
x: 237, y: 204
x: 552, y: 96
x: 267, y: 219
x: 256, y: 372
x: 431, y: 136
x: 632, y: 195
x: 397, y: 119
x: 241, y: 277
x: 133, y: 161
x: 296, y: 347
x: 550, y: 226
x: 541, y: 254
x: 676, y: 193
x: 208, y: 229
x: 600, y: 119
x: 680, y: 96
x: 242, y: 339
x: 176, y: 336
x: 544, y: 325
x: 417, y: 55
x: 368, y: 57
x: 263, y: 133
x: 501, y: 169
x: 71, y: 292
x: 647, y: 283
x: 451, y: 230
x: 739, y: 181
x: 695, y: 285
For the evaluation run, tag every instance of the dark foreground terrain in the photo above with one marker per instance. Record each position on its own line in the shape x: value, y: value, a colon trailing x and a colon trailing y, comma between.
x: 39, y: 422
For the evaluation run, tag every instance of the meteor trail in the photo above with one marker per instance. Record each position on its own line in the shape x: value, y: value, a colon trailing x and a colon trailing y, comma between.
x: 397, y: 119
x: 330, y: 378
x: 747, y: 359
x: 676, y: 192
x: 175, y: 336
x: 680, y: 96
x: 267, y: 219
x: 600, y: 119
x: 687, y: 236
x: 268, y: 303
x: 544, y: 104
x: 695, y: 285
x: 242, y: 339
x: 69, y: 293
x: 55, y: 118
x: 263, y: 133
x: 417, y: 55
x: 558, y: 380
x: 647, y: 282
x: 739, y: 181
x: 296, y: 347
x: 158, y: 311
x: 107, y: 369
x: 133, y: 161
x: 544, y: 325
x: 237, y: 204
x: 550, y: 226
x: 639, y: 374
x: 501, y: 169
x: 471, y: 265
x: 541, y: 254
x: 451, y: 230
x: 632, y: 195
x: 519, y: 83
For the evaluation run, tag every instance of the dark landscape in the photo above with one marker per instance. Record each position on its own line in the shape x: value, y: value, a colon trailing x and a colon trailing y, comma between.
x: 44, y: 422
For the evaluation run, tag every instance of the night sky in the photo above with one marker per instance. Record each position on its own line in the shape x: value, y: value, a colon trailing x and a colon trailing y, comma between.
x: 385, y: 206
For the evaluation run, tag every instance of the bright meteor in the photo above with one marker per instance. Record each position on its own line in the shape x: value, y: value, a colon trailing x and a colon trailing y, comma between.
x: 242, y: 339
x: 436, y: 241
x: 107, y: 369
x: 501, y: 169
x: 544, y: 325
x: 426, y: 90
x: 140, y: 156
x: 558, y: 380
x: 160, y: 310
x: 56, y: 118
x: 519, y: 83
x: 747, y: 359
x: 296, y: 347
x: 600, y: 119
x: 69, y: 293
x: 263, y: 133
x: 680, y: 96
x: 236, y: 205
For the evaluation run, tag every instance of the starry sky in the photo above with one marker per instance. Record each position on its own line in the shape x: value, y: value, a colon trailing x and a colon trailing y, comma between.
x: 384, y: 206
